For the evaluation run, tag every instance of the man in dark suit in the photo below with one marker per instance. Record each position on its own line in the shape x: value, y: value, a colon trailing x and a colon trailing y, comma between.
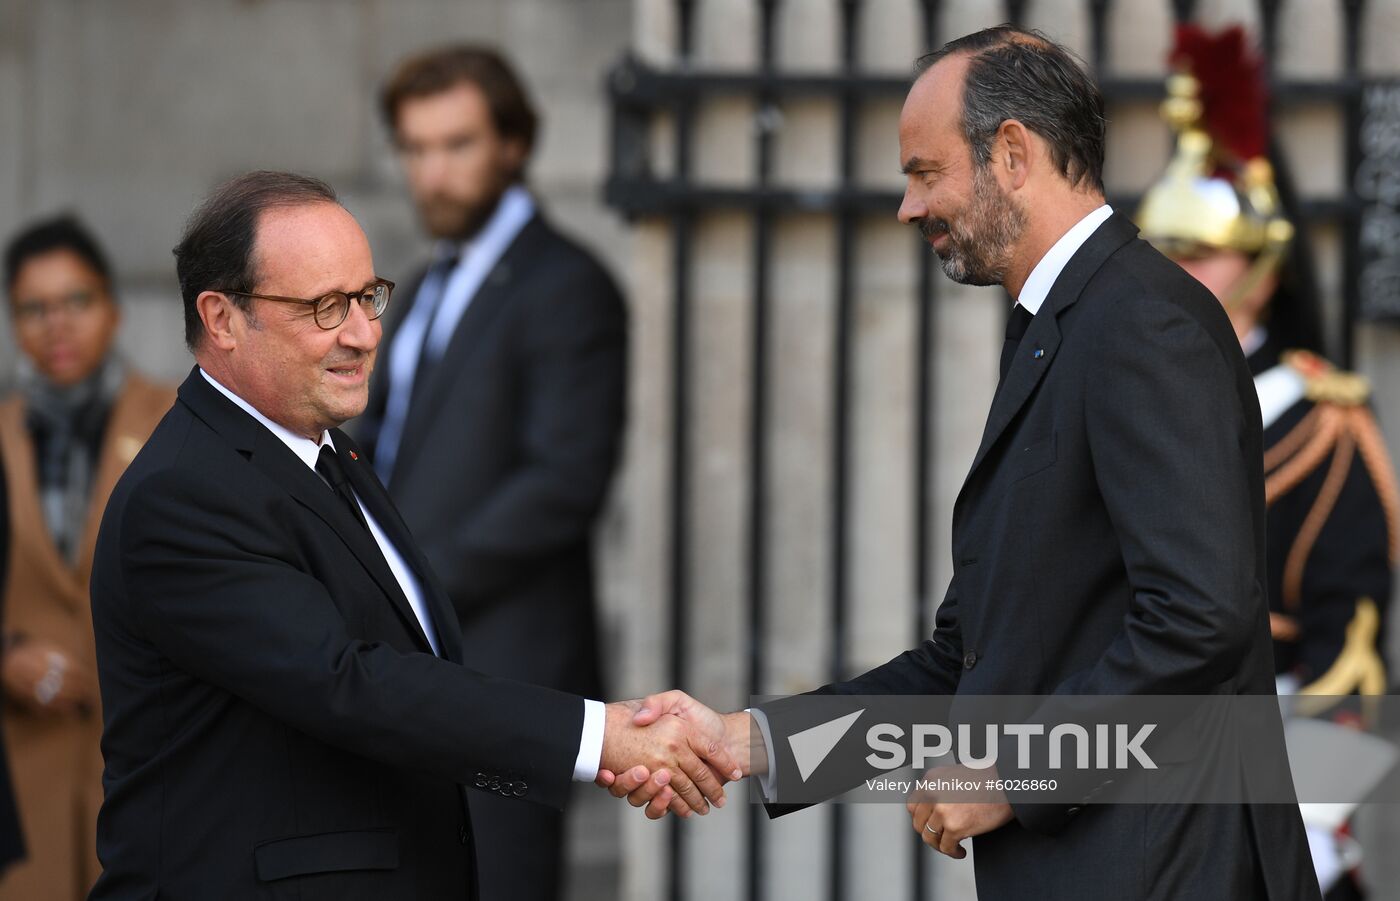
x: 287, y: 706
x: 1109, y: 538
x: 496, y: 419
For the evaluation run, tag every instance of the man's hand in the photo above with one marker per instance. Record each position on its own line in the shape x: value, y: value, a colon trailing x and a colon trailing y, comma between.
x: 665, y: 760
x: 655, y: 789
x: 944, y: 824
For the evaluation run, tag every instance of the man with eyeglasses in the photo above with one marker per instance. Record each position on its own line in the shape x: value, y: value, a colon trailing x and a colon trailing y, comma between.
x: 79, y: 416
x: 496, y: 419
x: 289, y: 707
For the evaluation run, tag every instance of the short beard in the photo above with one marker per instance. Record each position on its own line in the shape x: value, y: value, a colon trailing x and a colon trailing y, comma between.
x: 979, y: 245
x: 455, y: 221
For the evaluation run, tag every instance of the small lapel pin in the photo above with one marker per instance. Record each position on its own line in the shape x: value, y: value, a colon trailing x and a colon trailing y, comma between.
x: 354, y: 456
x: 1038, y: 353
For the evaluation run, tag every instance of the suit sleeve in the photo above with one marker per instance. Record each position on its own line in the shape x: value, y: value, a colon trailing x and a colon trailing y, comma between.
x: 573, y: 402
x: 1168, y: 436
x: 218, y: 588
x: 932, y: 668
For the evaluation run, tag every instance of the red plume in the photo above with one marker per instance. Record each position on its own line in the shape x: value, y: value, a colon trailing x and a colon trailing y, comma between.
x: 1234, y: 94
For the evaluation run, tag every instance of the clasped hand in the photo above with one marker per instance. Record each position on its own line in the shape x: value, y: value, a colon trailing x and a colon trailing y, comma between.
x: 670, y: 752
x: 943, y: 823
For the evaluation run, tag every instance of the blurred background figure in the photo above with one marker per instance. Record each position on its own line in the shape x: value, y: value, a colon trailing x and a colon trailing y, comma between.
x: 78, y: 417
x: 496, y: 414
x: 1225, y: 210
x: 11, y: 840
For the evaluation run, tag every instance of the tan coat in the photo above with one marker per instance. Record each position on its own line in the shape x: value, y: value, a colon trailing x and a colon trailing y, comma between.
x: 56, y: 761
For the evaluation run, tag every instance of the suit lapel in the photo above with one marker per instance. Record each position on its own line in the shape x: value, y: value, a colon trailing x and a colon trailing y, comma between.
x: 1033, y: 358
x: 381, y: 507
x: 277, y: 461
x: 1042, y: 339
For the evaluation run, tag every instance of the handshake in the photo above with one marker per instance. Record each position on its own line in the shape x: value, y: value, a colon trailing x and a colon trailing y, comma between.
x: 670, y: 752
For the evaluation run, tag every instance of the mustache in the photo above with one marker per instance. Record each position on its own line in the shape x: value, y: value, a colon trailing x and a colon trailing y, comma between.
x: 931, y: 228
x: 351, y: 361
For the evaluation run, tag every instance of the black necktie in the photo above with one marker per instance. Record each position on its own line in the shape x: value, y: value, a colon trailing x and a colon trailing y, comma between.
x: 1016, y: 325
x: 328, y: 465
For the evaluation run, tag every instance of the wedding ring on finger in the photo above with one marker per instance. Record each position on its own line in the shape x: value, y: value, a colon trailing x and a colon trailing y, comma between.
x: 51, y: 683
x: 928, y: 827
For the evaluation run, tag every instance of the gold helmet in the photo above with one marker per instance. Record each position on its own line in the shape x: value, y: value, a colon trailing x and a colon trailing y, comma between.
x: 1218, y: 191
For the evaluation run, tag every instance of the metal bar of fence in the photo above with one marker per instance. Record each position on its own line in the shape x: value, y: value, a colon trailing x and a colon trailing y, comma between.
x: 1184, y: 10
x: 654, y: 87
x: 1268, y: 33
x: 1098, y: 37
x: 650, y: 197
x: 1353, y: 12
x: 682, y: 229
x: 841, y: 403
x: 765, y: 123
x: 923, y: 447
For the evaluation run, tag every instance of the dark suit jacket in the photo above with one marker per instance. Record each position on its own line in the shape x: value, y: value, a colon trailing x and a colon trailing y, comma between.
x: 276, y: 725
x: 507, y: 453
x: 1109, y: 540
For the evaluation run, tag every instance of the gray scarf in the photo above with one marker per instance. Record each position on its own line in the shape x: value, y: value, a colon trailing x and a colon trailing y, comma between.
x: 67, y: 425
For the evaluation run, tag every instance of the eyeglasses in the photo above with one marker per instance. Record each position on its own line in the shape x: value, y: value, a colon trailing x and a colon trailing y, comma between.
x: 32, y: 313
x: 331, y: 309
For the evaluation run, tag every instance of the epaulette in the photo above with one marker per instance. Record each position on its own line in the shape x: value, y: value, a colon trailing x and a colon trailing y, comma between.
x: 1326, y: 384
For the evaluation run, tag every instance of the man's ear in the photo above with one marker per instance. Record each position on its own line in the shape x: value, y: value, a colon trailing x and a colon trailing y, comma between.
x: 216, y: 311
x: 1014, y: 147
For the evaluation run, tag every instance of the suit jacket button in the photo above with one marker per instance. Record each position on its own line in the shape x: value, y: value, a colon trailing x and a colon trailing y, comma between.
x: 969, y: 660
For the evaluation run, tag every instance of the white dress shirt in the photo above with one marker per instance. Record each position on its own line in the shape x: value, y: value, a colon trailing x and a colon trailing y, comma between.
x: 590, y: 749
x: 1043, y: 276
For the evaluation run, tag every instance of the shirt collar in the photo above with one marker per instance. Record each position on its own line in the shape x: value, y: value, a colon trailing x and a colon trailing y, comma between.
x: 1043, y: 276
x: 307, y: 451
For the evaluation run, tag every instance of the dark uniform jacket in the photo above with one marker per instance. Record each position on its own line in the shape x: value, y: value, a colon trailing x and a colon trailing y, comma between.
x: 1331, y: 495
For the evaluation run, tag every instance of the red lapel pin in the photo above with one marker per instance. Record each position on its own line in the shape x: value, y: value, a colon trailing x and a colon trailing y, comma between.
x: 354, y: 456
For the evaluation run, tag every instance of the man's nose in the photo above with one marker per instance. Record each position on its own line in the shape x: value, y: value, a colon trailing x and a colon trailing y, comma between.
x: 912, y: 208
x: 358, y: 331
x: 431, y: 169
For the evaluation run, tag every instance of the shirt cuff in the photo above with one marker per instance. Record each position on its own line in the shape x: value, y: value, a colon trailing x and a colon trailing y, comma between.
x: 590, y: 745
x: 767, y: 782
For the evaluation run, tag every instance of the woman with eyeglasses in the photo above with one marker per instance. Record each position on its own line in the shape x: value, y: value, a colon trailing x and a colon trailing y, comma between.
x: 79, y: 416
